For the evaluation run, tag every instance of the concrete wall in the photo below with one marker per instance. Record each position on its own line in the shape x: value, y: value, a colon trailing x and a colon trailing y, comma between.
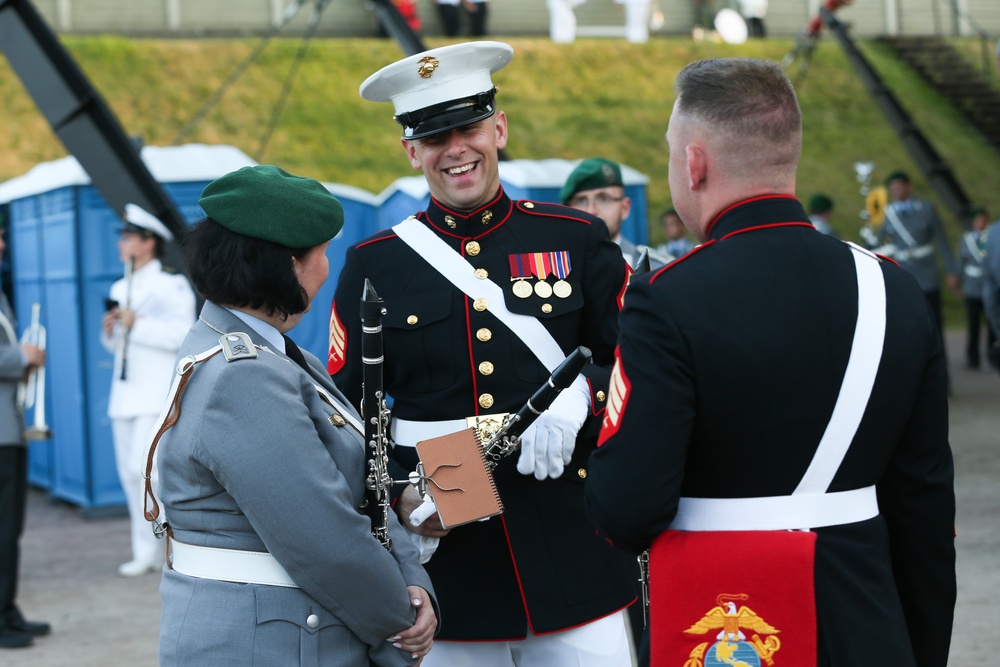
x: 353, y: 18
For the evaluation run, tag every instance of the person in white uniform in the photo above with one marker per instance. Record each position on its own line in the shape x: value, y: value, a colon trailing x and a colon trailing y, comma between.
x: 149, y: 313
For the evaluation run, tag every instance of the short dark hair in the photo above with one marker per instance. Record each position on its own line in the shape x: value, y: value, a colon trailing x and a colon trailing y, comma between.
x: 231, y: 269
x: 747, y: 97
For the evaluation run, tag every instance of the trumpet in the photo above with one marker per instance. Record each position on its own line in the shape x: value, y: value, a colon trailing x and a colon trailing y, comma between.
x: 33, y: 389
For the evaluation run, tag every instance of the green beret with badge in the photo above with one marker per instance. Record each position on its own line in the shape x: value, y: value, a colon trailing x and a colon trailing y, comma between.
x: 266, y: 202
x: 591, y: 174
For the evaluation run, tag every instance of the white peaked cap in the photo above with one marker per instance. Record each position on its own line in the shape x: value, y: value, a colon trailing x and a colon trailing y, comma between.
x: 438, y: 76
x: 140, y: 217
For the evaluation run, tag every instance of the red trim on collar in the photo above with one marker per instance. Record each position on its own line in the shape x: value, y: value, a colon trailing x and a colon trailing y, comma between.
x: 371, y: 241
x: 534, y: 211
x: 887, y: 258
x: 708, y: 231
x: 769, y: 225
x: 467, y: 216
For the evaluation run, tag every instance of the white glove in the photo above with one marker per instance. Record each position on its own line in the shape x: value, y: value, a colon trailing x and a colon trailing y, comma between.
x: 547, y: 445
x: 426, y: 545
x: 423, y: 512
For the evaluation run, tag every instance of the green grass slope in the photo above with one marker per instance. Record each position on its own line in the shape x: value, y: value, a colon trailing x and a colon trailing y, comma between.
x: 594, y: 97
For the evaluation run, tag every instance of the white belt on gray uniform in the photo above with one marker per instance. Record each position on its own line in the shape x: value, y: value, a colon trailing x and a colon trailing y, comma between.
x: 244, y: 567
x: 914, y: 253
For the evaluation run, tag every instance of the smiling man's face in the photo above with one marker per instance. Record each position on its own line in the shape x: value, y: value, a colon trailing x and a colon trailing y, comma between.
x: 461, y: 165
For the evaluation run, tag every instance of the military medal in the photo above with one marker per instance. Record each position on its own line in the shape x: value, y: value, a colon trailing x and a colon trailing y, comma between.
x: 561, y: 267
x: 520, y: 272
x: 540, y: 265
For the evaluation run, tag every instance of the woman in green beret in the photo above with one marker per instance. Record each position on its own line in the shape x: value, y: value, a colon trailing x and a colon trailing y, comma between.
x: 270, y: 561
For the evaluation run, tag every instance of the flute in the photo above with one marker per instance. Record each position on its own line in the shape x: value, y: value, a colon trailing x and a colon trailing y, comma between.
x: 129, y: 270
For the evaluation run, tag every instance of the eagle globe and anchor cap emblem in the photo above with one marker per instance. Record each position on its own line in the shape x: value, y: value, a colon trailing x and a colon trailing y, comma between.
x: 732, y: 647
x: 427, y: 65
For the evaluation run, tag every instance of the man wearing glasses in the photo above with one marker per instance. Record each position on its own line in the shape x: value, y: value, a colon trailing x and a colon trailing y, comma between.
x: 596, y: 186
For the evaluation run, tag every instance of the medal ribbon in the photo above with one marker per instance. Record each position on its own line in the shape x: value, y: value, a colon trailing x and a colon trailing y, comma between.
x: 560, y: 263
x: 519, y: 265
x: 540, y: 264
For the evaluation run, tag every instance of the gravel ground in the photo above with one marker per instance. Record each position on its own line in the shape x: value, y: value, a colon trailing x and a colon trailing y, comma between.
x: 99, y: 619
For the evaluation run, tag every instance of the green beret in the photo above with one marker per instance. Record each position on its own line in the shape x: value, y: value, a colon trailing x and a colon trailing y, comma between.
x: 590, y: 175
x: 265, y: 202
x: 898, y: 175
x: 820, y: 204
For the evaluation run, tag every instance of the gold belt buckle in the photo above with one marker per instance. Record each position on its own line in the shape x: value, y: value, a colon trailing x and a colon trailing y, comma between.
x: 486, y: 425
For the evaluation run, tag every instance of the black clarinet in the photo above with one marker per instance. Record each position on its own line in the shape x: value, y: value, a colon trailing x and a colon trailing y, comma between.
x: 375, y: 416
x: 504, y: 441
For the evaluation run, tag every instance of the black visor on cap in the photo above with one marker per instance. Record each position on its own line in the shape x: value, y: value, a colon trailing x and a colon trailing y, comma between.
x: 447, y: 115
x: 129, y: 228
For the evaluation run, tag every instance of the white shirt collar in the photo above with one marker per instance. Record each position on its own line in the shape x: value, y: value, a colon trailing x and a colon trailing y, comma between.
x: 267, y: 331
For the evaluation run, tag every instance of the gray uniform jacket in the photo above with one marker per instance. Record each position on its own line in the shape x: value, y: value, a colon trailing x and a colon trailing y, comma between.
x: 254, y: 464
x: 991, y: 276
x: 970, y: 258
x: 11, y: 369
x: 913, y: 229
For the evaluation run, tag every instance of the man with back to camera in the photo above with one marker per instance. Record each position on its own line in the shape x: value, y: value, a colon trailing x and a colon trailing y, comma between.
x: 534, y: 586
x: 800, y: 506
x: 596, y: 186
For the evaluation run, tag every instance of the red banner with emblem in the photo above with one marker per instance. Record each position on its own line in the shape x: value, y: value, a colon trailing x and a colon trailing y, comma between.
x: 732, y: 598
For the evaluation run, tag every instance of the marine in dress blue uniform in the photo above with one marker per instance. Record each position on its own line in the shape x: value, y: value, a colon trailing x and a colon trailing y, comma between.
x: 538, y: 572
x: 721, y: 393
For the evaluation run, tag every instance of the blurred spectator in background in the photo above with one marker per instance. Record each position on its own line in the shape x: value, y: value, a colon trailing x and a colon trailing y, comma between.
x: 704, y: 18
x: 636, y: 20
x: 754, y: 12
x: 450, y: 13
x: 971, y: 257
x: 596, y: 186
x: 820, y: 212
x: 678, y: 243
x: 408, y: 10
x: 16, y: 360
x: 562, y: 20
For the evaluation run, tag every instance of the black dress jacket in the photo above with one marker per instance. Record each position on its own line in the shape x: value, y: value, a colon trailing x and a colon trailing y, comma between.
x: 539, y: 567
x: 735, y: 356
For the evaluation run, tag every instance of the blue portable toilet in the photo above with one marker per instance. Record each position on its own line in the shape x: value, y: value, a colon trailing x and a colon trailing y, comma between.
x: 64, y: 257
x: 540, y: 180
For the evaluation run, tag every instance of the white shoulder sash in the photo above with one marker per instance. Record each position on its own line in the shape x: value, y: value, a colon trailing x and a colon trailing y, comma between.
x: 461, y: 274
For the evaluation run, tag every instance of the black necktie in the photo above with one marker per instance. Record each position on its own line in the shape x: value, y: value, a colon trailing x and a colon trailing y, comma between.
x: 294, y: 353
